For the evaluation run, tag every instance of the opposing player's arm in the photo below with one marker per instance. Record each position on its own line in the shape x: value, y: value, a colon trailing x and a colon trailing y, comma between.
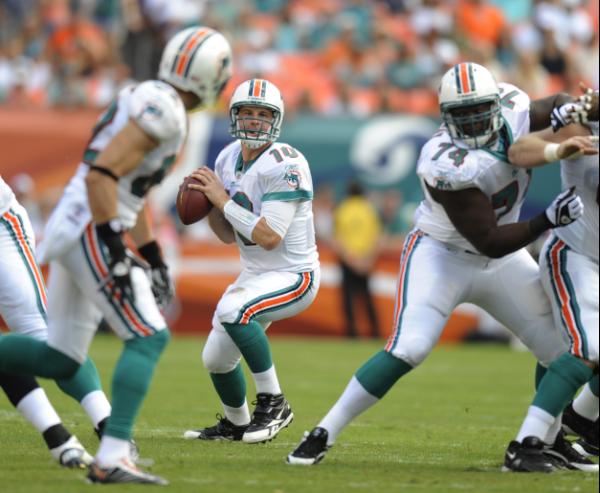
x: 547, y: 146
x: 473, y: 216
x: 124, y: 152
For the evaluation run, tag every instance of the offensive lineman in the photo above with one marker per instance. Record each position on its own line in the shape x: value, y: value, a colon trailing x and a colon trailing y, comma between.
x: 92, y: 273
x: 262, y: 195
x: 466, y: 239
x: 569, y: 274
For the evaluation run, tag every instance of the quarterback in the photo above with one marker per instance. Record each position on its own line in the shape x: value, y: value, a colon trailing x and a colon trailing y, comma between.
x: 262, y: 195
x: 92, y: 273
x: 467, y: 240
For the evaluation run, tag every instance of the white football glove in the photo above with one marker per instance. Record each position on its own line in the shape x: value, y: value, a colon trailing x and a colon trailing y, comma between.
x: 565, y: 208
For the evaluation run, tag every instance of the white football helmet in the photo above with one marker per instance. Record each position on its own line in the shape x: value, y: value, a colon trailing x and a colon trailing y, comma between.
x: 469, y: 99
x: 198, y: 60
x: 262, y: 93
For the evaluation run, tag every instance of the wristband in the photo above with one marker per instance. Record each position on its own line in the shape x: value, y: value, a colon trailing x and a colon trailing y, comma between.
x: 551, y: 153
x: 242, y: 220
x: 151, y: 253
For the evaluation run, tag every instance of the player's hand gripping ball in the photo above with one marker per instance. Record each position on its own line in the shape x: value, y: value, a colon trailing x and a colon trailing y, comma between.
x: 192, y: 205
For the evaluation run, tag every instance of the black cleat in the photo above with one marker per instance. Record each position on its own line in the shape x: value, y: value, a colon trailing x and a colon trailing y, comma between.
x: 311, y: 450
x: 586, y: 429
x: 124, y: 472
x: 528, y: 456
x: 271, y: 415
x: 568, y: 457
x: 223, y: 430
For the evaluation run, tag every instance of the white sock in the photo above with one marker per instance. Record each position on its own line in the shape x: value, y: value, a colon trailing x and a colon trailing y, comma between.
x: 111, y: 451
x: 354, y: 401
x: 239, y: 416
x: 36, y: 408
x: 96, y: 406
x: 537, y: 423
x: 554, y: 429
x: 586, y: 404
x: 266, y: 382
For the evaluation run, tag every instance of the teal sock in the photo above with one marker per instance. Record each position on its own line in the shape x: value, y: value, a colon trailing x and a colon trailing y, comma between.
x: 131, y: 380
x: 27, y: 356
x: 252, y: 342
x: 381, y: 372
x: 540, y: 371
x: 564, y: 377
x: 86, y: 380
x: 593, y: 384
x: 231, y: 386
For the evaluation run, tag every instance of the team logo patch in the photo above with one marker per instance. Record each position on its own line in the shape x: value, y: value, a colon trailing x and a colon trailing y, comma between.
x: 151, y: 113
x: 293, y: 177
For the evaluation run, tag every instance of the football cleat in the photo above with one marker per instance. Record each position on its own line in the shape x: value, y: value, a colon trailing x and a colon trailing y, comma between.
x: 223, y: 430
x: 528, y: 457
x: 312, y: 448
x: 71, y: 454
x: 271, y: 414
x: 586, y: 429
x: 568, y: 457
x: 124, y: 471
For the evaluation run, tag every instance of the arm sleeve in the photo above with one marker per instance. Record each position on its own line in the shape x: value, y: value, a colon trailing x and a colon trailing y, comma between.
x: 279, y: 215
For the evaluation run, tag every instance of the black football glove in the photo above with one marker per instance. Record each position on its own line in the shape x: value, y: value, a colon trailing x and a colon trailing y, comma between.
x: 163, y: 288
x: 120, y: 262
x: 566, y: 208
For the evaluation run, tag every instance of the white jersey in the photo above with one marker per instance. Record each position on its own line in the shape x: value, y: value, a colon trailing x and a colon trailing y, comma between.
x: 280, y: 173
x: 158, y: 110
x: 582, y: 173
x: 448, y: 165
x: 6, y: 196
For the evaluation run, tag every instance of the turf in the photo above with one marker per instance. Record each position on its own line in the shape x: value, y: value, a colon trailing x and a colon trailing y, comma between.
x: 442, y: 429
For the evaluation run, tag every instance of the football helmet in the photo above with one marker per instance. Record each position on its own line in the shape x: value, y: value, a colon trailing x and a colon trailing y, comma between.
x: 261, y: 93
x: 198, y: 60
x: 469, y: 100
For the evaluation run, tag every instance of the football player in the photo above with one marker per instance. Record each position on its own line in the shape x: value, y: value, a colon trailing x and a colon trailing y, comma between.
x: 23, y: 307
x: 466, y: 239
x: 262, y: 194
x: 92, y: 273
x: 569, y: 273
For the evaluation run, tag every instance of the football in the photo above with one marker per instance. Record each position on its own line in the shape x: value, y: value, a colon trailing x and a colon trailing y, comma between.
x: 192, y: 205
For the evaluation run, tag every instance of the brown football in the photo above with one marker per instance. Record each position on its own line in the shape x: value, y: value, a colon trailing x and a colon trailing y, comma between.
x: 192, y: 205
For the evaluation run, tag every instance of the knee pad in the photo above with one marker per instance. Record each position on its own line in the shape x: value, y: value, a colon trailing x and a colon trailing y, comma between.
x: 414, y: 350
x: 220, y: 355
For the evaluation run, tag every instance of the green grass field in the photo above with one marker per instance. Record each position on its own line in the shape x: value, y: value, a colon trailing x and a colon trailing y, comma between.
x: 442, y: 429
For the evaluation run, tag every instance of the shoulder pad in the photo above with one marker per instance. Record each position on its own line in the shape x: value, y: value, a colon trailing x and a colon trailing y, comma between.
x: 448, y: 167
x: 512, y: 98
x: 157, y: 109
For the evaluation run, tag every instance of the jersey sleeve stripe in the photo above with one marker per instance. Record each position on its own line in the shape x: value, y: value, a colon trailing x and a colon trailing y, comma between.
x: 287, y: 196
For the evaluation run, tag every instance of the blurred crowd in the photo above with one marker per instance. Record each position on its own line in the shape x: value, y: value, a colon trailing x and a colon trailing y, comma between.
x: 332, y: 57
